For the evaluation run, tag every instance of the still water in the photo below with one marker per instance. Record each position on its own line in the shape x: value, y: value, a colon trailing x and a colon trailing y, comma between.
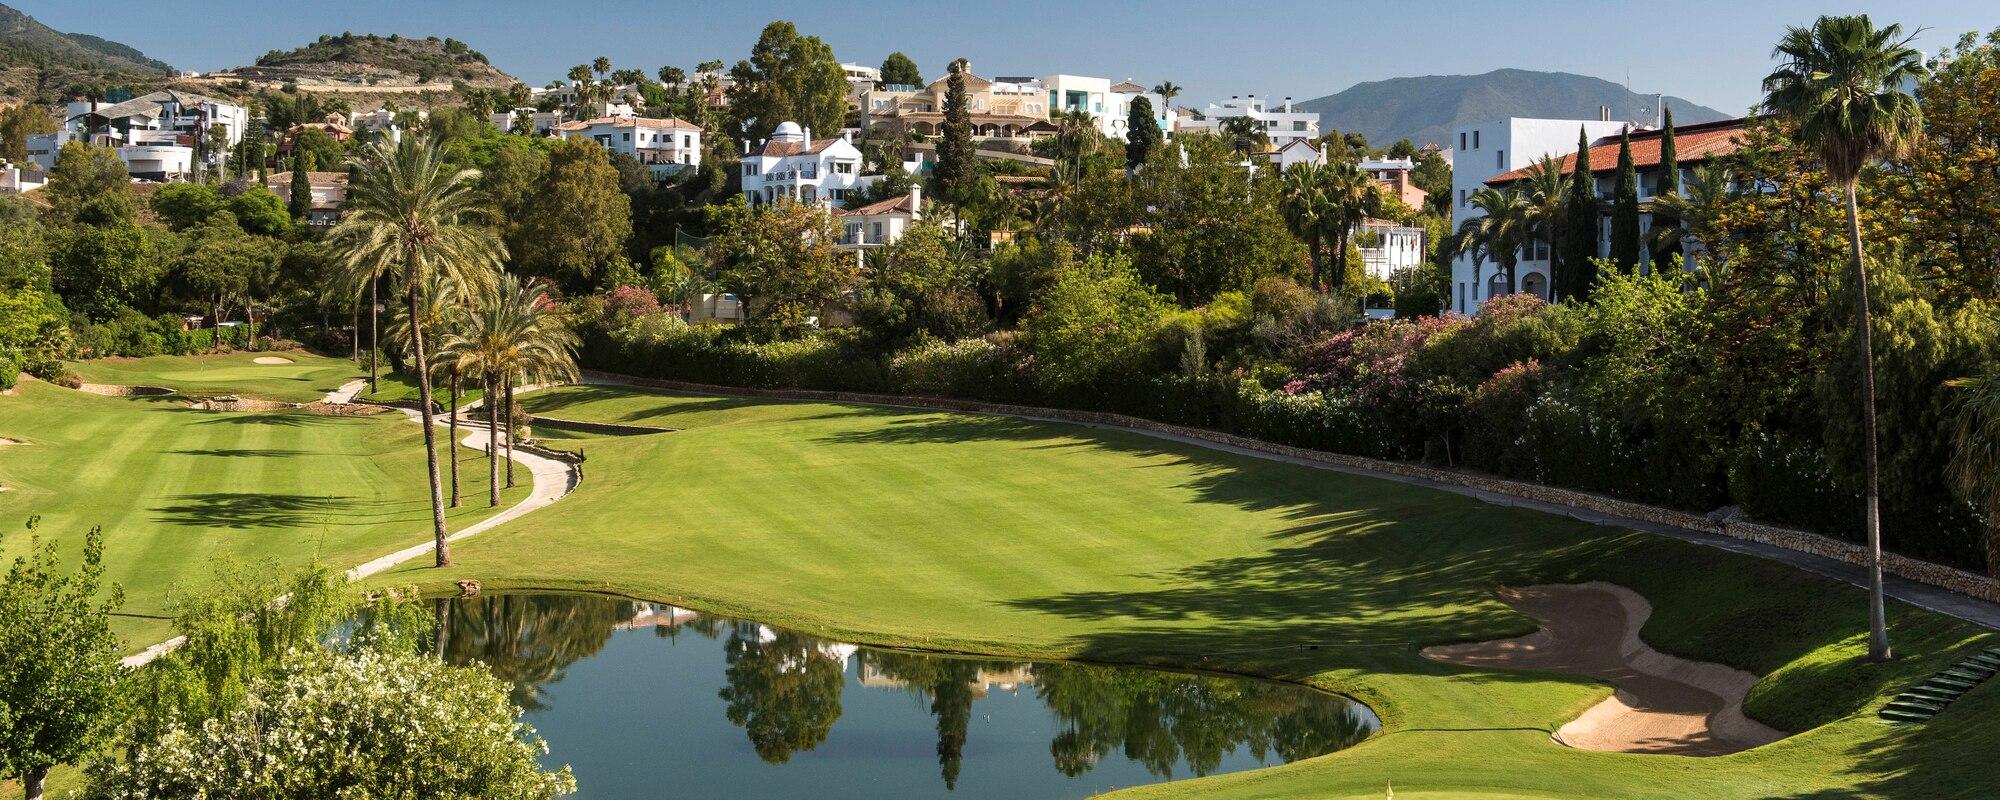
x: 645, y: 700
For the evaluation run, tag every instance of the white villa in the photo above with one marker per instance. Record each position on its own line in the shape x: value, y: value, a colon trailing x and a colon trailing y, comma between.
x: 1108, y: 103
x: 14, y: 180
x: 329, y: 193
x: 1283, y: 124
x: 792, y: 164
x: 881, y: 223
x: 160, y: 136
x: 668, y: 146
x: 540, y: 123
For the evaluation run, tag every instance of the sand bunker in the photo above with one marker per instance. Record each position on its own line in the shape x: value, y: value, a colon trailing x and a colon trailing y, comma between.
x: 115, y: 390
x: 1663, y: 704
x: 271, y: 360
x: 6, y: 442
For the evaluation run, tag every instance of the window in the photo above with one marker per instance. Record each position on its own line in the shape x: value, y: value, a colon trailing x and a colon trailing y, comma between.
x: 1461, y: 146
x: 1299, y: 125
x: 1475, y: 140
x: 628, y: 137
x: 1461, y: 296
x: 1499, y: 159
x: 687, y: 141
x: 878, y: 232
x: 1461, y: 198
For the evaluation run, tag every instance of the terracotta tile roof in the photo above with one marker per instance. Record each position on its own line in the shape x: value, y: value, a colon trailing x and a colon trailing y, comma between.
x: 630, y: 122
x: 779, y: 149
x: 1128, y: 86
x: 1692, y: 144
x: 892, y: 205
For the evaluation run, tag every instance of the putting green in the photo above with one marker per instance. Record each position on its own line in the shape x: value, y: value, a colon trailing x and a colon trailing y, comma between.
x: 176, y: 490
x: 1018, y: 538
x: 307, y: 378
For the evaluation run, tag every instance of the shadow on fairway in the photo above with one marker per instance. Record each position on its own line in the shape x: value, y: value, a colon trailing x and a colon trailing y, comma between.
x: 247, y: 510
x: 283, y: 419
x: 242, y: 452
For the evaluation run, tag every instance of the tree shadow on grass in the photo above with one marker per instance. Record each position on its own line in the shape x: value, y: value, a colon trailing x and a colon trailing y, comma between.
x: 251, y: 510
x: 283, y: 419
x: 242, y: 452
x: 1950, y: 756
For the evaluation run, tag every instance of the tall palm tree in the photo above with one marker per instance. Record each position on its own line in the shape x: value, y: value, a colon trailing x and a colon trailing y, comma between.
x: 1351, y: 198
x: 1167, y: 90
x: 1244, y: 133
x: 1975, y: 463
x: 1498, y: 233
x: 1842, y: 83
x: 1547, y: 190
x: 410, y: 214
x: 445, y: 307
x: 1076, y: 133
x: 1302, y: 198
x: 514, y: 335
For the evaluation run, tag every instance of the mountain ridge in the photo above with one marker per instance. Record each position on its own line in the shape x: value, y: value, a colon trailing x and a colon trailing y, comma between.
x: 1425, y: 109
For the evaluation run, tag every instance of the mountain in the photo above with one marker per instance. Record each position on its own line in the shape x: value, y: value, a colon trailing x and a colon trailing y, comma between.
x: 369, y: 60
x: 1427, y: 109
x: 25, y: 42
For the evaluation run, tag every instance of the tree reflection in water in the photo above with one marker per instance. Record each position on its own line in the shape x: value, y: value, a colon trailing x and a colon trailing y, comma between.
x: 784, y: 688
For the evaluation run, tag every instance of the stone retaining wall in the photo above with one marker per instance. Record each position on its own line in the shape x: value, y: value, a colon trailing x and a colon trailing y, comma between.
x: 1925, y: 572
x: 612, y: 428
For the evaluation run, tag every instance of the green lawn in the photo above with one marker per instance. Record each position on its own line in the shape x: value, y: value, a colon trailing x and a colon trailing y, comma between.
x: 1028, y: 539
x: 177, y: 490
x: 308, y: 378
x: 395, y: 387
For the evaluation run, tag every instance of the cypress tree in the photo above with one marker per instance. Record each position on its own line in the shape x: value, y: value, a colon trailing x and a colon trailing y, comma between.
x: 955, y: 171
x: 1576, y: 269
x: 1669, y: 184
x: 302, y: 196
x: 1142, y: 132
x: 1625, y: 209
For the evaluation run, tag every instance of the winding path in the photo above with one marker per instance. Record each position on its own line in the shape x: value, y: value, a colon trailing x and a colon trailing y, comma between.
x: 553, y: 480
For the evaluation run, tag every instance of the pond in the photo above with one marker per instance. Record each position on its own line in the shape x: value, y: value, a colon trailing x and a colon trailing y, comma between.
x: 648, y: 700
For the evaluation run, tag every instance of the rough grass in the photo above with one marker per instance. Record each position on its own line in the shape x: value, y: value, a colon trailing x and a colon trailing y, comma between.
x: 178, y: 490
x: 308, y: 378
x: 1028, y: 539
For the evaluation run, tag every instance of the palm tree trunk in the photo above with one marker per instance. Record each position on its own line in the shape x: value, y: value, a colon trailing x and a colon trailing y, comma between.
x: 1314, y: 249
x: 357, y: 335
x: 492, y: 446
x: 1555, y: 262
x: 507, y: 416
x: 430, y: 425
x: 374, y: 346
x: 1511, y: 268
x: 1878, y: 626
x: 453, y: 445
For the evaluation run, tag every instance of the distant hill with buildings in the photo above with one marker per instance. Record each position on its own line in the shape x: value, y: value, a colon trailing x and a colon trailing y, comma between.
x: 362, y: 60
x: 1426, y: 109
x: 37, y: 61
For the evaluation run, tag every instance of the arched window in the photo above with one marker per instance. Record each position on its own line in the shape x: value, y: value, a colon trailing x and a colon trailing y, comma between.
x: 1496, y: 285
x: 1533, y: 283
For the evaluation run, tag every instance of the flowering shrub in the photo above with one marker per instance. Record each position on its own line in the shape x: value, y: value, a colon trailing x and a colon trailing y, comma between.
x: 375, y: 724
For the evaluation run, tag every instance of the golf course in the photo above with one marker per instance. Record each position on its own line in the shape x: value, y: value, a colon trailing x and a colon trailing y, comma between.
x: 1024, y: 539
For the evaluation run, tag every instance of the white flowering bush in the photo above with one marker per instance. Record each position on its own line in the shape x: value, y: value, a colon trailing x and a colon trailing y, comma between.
x: 372, y: 724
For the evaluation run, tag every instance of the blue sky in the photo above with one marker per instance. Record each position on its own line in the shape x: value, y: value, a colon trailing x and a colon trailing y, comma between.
x: 1709, y: 52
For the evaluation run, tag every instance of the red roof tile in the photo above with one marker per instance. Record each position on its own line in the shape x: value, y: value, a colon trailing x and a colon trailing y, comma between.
x: 892, y: 205
x: 1692, y: 144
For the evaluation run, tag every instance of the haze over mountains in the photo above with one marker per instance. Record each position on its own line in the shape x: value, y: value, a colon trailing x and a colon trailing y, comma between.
x: 1426, y: 109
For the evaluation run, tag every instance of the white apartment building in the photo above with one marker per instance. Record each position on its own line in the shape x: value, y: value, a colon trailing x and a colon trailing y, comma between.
x: 1388, y: 248
x: 160, y: 136
x: 1485, y: 150
x: 1283, y: 124
x: 540, y: 123
x: 792, y: 164
x: 668, y: 146
x: 1108, y: 103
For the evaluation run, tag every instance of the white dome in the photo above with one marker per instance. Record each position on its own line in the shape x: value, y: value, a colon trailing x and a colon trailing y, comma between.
x: 788, y: 132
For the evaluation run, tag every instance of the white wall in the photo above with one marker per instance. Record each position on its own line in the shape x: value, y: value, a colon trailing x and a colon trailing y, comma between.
x: 1483, y: 150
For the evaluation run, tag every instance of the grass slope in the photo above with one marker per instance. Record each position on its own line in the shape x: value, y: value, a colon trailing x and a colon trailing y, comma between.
x: 1018, y: 538
x: 309, y: 377
x: 177, y: 490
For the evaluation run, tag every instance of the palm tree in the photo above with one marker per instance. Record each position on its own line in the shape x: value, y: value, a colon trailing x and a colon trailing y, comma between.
x: 445, y: 307
x: 1302, y: 198
x: 1244, y: 133
x: 1167, y: 90
x: 515, y: 335
x: 1975, y: 463
x: 410, y: 214
x: 1498, y: 233
x: 1351, y: 198
x: 1842, y: 84
x: 1547, y: 190
x: 1076, y: 131
x: 1706, y: 192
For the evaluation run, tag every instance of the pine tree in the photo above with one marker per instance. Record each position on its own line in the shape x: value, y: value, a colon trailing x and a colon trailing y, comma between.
x: 1142, y: 132
x: 1577, y: 268
x: 955, y: 171
x: 302, y: 195
x: 1625, y: 209
x: 1669, y: 184
x: 899, y: 70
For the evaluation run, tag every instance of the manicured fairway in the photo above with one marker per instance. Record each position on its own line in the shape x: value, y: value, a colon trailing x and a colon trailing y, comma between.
x: 309, y: 377
x: 177, y: 490
x: 1030, y: 539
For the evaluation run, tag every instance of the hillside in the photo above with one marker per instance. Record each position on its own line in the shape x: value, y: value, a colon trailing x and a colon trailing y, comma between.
x: 367, y: 60
x: 37, y: 61
x: 1426, y: 109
